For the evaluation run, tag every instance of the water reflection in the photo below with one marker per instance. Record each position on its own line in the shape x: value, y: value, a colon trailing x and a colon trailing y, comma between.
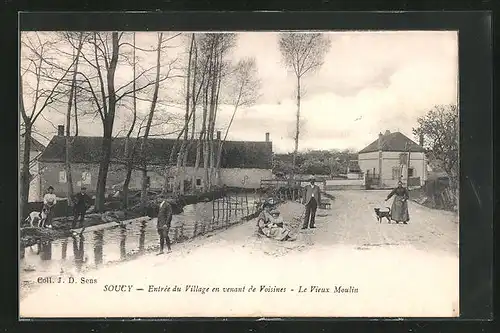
x: 123, y: 240
x: 46, y: 250
x: 98, y: 244
x: 78, y: 251
x: 111, y: 245
x: 142, y: 236
x: 64, y: 248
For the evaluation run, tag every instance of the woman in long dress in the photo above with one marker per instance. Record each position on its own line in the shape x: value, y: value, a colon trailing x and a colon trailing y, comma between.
x: 399, y: 209
x: 271, y: 224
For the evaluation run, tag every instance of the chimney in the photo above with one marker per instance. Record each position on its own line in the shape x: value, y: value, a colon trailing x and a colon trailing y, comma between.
x: 60, y: 130
x: 387, y: 132
x: 218, y: 135
x: 267, y: 137
x: 421, y: 140
x: 380, y: 141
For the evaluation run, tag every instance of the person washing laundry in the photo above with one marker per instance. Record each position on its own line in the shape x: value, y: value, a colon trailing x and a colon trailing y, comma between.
x: 311, y: 200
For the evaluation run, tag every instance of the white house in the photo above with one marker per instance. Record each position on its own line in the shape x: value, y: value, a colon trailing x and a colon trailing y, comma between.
x: 393, y: 157
x: 35, y: 191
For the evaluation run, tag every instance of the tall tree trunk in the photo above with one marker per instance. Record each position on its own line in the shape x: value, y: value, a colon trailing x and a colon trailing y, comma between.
x: 144, y: 189
x: 25, y: 170
x: 69, y: 176
x: 205, y: 142
x: 108, y: 126
x: 180, y: 174
x: 221, y: 143
x: 297, y: 129
x: 207, y: 126
x: 130, y: 155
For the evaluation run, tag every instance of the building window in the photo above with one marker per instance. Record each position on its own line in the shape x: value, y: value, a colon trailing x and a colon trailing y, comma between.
x: 198, y: 181
x: 62, y: 177
x: 86, y: 178
x: 410, y: 172
x: 396, y: 173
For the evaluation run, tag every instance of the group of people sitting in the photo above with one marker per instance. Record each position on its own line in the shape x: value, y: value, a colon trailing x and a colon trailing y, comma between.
x: 272, y: 225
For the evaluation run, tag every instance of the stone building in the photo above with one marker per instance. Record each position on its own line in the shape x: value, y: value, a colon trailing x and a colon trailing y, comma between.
x: 243, y: 163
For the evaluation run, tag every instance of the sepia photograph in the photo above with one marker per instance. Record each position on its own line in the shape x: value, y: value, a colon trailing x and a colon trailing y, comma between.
x: 173, y: 174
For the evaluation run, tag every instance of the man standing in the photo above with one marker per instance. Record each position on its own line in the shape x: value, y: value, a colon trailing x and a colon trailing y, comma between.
x: 163, y: 224
x: 49, y: 201
x: 311, y: 200
x: 81, y: 203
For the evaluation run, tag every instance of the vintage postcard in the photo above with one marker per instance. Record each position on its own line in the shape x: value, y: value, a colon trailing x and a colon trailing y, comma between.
x: 238, y: 174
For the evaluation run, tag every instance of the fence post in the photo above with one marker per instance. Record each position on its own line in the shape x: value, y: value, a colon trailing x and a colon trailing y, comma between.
x: 246, y: 201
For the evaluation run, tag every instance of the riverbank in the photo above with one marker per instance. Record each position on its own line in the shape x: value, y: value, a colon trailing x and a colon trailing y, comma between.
x: 61, y: 226
x: 118, y: 243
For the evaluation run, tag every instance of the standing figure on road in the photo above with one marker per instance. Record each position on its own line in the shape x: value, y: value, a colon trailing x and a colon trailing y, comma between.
x: 81, y: 203
x: 49, y: 201
x: 399, y: 209
x: 311, y: 200
x: 163, y: 224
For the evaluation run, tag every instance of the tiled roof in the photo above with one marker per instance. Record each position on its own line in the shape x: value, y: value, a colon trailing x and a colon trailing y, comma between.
x: 86, y: 149
x: 396, y: 141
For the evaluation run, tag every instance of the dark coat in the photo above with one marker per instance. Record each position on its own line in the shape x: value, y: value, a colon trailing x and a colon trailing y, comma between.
x: 164, y: 215
x: 308, y: 191
x: 82, y: 201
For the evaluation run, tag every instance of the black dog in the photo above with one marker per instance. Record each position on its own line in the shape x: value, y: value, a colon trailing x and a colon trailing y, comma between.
x: 380, y: 215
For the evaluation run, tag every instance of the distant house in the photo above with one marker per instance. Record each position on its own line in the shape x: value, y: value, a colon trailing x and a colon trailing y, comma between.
x: 36, y: 148
x: 393, y: 157
x: 243, y: 163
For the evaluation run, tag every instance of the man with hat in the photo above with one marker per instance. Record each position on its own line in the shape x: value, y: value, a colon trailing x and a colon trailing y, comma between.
x: 311, y: 200
x: 81, y: 202
x: 163, y: 223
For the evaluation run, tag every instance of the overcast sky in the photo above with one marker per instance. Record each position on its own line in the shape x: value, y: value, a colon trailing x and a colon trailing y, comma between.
x: 370, y: 82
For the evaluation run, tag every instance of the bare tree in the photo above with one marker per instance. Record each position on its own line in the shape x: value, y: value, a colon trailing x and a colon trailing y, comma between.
x: 214, y: 48
x: 182, y: 155
x: 144, y: 188
x: 130, y: 151
x: 68, y: 139
x: 302, y: 53
x: 102, y: 57
x: 244, y: 92
x: 40, y: 92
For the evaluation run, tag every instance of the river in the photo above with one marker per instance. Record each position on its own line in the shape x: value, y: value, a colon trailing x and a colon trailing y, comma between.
x: 93, y: 249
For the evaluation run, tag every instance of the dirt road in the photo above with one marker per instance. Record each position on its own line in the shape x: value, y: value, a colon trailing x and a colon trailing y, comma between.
x: 351, y: 221
x: 360, y: 267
